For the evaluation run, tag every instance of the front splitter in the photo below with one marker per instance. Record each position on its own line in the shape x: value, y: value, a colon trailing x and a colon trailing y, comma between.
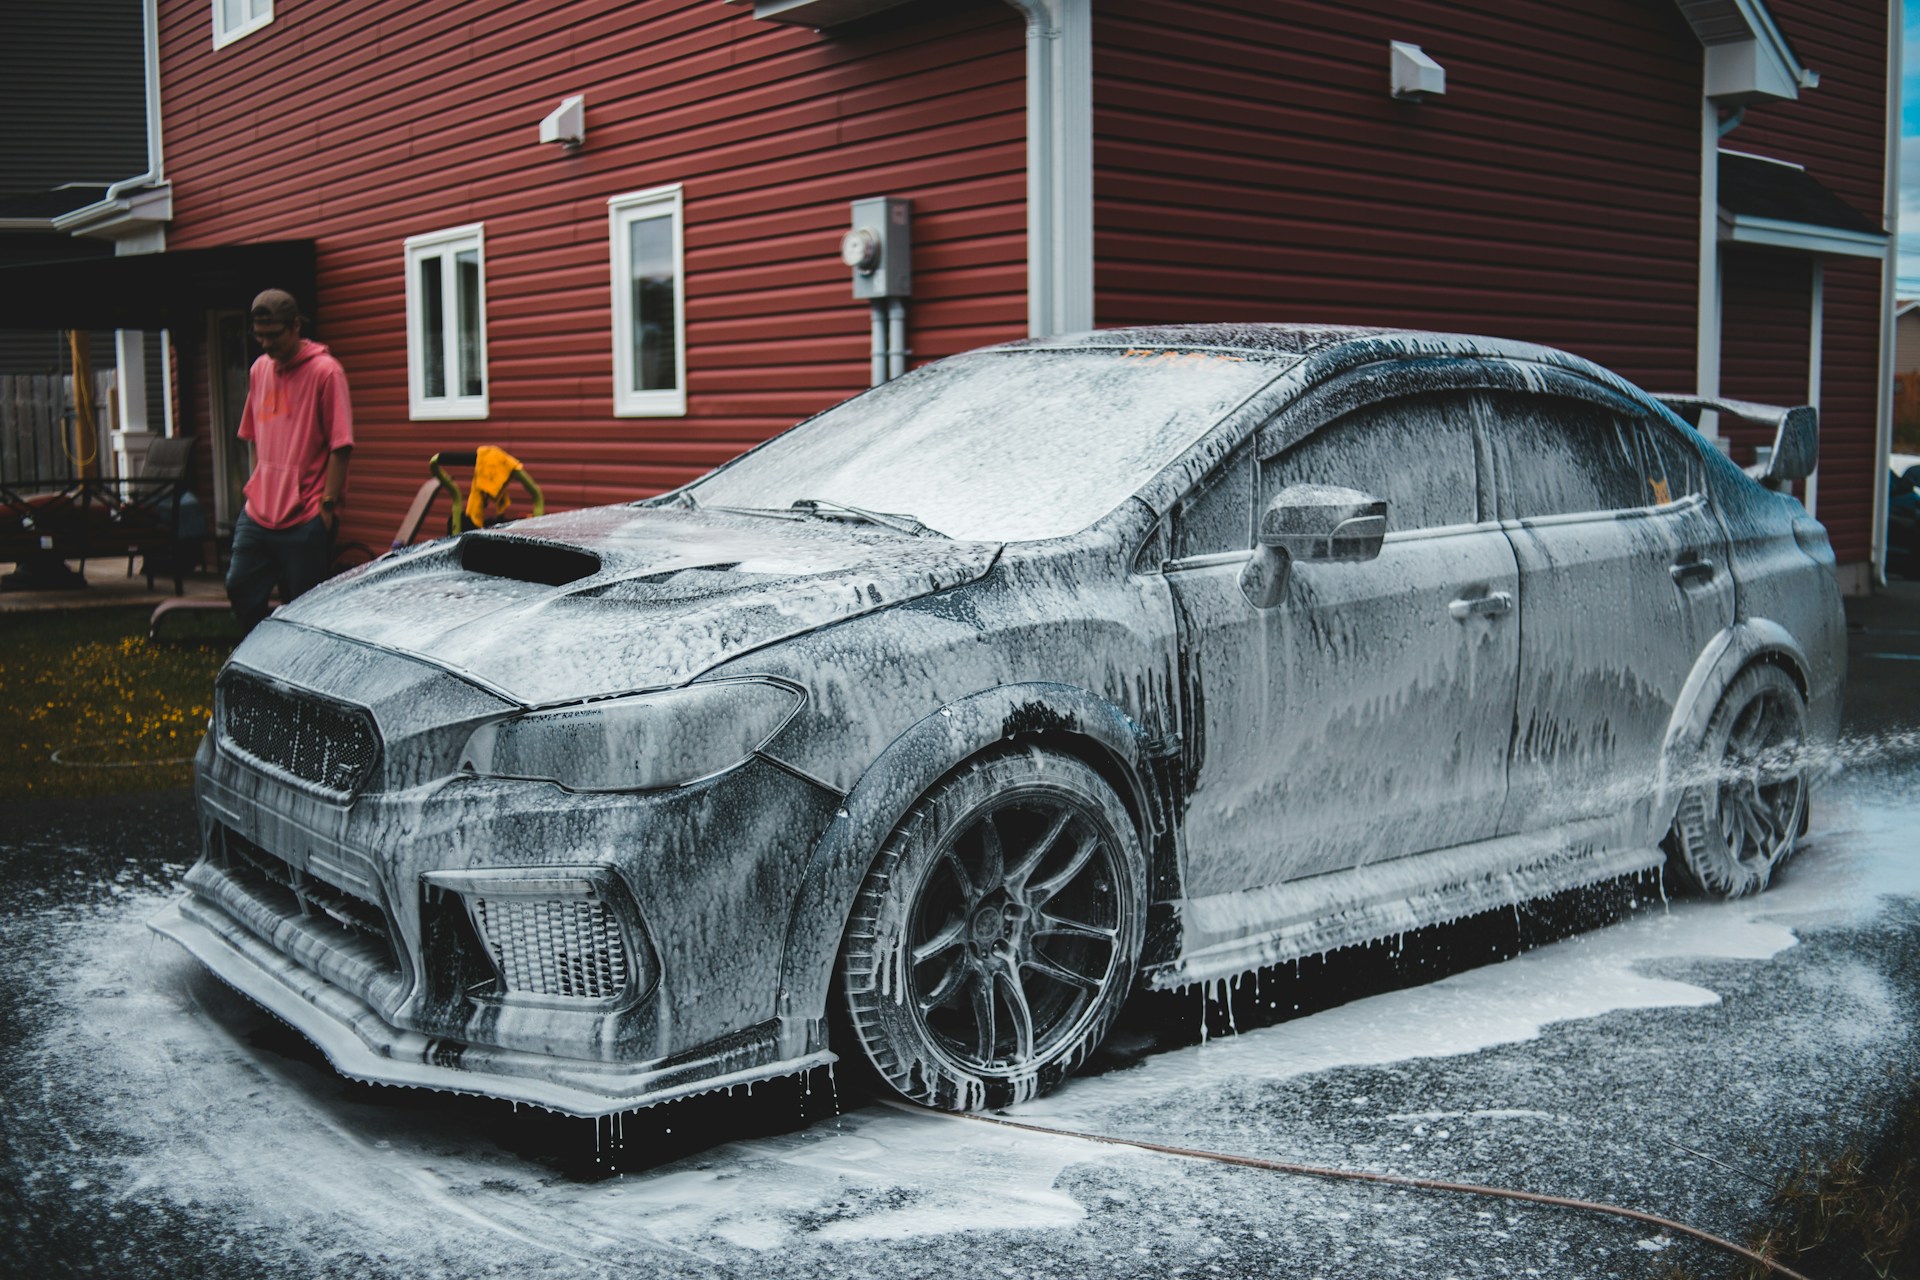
x: 361, y: 1045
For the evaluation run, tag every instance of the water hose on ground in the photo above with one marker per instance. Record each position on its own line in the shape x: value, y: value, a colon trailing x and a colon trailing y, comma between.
x: 1393, y: 1180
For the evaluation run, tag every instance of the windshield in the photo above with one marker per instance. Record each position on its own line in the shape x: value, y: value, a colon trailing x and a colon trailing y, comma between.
x: 998, y: 446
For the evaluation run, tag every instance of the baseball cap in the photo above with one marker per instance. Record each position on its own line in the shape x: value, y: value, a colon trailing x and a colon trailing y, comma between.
x: 277, y: 306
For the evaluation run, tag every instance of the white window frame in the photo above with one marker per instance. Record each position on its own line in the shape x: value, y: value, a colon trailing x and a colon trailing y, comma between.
x: 261, y: 14
x: 622, y: 212
x: 445, y: 247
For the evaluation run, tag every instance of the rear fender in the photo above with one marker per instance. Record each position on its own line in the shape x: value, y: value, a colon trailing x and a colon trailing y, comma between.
x: 905, y: 771
x: 1725, y: 656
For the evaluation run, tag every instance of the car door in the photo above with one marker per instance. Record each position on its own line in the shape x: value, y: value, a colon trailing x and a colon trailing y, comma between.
x: 1623, y: 581
x: 1366, y: 715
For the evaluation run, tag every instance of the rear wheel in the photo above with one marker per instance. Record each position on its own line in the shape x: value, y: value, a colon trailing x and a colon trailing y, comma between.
x: 1740, y: 820
x: 996, y: 936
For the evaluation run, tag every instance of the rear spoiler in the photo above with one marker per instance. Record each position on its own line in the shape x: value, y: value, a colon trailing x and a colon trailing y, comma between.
x: 1796, y: 432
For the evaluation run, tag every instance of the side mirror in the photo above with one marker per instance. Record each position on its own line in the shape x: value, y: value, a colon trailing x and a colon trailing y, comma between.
x: 1796, y: 446
x: 1312, y: 522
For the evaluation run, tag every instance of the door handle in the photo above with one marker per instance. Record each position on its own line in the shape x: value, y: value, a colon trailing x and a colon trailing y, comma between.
x: 1487, y: 606
x: 1701, y: 568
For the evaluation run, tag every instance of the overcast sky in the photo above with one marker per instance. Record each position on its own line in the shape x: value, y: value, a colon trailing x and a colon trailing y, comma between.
x: 1910, y: 157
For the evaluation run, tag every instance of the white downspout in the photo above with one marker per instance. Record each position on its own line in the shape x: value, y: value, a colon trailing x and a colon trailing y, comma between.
x: 1889, y: 287
x: 150, y: 30
x: 1059, y: 165
x: 1706, y: 373
x: 1816, y: 353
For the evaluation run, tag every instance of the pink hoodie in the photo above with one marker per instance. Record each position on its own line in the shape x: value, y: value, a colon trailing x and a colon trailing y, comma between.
x: 296, y: 417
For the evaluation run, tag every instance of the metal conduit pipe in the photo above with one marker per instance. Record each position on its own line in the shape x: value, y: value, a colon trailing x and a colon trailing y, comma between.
x: 896, y: 337
x: 877, y: 309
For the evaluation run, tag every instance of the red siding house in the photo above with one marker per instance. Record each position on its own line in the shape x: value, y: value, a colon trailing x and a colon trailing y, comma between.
x: 1694, y: 192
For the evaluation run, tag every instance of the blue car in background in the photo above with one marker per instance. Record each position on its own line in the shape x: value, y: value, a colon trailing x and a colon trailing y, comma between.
x: 1903, y: 522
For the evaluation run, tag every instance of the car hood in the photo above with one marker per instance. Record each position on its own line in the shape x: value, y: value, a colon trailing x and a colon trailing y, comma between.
x: 614, y: 599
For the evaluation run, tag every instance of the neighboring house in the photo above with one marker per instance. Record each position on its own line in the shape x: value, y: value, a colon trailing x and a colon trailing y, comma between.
x: 1906, y: 379
x: 1622, y: 178
x: 73, y: 92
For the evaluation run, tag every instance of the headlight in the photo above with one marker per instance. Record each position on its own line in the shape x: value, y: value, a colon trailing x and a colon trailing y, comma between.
x: 640, y: 743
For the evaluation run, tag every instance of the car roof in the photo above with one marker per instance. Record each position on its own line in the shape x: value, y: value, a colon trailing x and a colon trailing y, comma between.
x: 1347, y: 344
x: 1286, y: 340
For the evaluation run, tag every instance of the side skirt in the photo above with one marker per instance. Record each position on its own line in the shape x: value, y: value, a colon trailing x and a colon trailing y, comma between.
x: 1232, y: 933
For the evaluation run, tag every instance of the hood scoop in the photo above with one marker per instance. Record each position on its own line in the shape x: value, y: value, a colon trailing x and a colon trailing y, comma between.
x: 610, y: 600
x: 524, y: 560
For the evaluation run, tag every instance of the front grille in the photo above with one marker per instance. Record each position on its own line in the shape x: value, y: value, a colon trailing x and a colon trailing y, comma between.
x: 570, y: 948
x: 319, y: 742
x: 357, y: 923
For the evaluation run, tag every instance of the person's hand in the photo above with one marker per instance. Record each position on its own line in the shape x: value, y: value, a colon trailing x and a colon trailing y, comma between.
x: 330, y: 516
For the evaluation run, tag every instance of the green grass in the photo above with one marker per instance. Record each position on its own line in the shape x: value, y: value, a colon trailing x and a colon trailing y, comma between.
x: 93, y: 707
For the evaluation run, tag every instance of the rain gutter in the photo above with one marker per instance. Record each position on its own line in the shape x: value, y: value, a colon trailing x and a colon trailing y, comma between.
x: 1059, y: 165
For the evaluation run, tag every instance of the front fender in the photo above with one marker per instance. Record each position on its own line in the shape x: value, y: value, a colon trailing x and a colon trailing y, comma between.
x: 910, y: 766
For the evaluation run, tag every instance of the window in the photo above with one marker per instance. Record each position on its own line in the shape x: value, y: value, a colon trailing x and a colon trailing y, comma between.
x: 1671, y: 466
x: 447, y: 324
x: 1415, y: 453
x: 1217, y: 516
x: 1564, y: 457
x: 235, y: 18
x: 649, y: 305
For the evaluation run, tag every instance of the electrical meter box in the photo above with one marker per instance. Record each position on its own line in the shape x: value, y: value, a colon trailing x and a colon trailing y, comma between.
x: 879, y: 248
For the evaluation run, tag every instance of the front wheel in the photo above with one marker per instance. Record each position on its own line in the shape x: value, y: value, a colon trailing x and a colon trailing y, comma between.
x: 1739, y: 821
x: 995, y: 938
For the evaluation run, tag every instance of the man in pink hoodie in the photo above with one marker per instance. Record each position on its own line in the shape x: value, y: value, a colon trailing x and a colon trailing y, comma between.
x: 300, y: 423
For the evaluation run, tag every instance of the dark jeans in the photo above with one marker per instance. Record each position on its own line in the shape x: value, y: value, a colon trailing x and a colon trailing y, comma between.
x: 293, y: 559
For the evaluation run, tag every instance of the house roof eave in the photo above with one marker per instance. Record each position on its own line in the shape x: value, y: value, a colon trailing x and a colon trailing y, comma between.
x: 121, y: 215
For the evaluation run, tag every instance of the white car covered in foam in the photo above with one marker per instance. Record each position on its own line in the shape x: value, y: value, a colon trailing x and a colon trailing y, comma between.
x: 927, y: 730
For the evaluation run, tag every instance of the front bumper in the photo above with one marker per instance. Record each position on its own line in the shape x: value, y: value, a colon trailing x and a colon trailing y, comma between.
x: 360, y: 1044
x: 365, y: 963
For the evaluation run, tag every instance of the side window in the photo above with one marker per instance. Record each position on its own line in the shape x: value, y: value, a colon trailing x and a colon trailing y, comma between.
x: 235, y: 18
x: 1560, y: 456
x: 649, y: 305
x: 1217, y: 515
x: 1417, y: 453
x: 1672, y: 465
x: 447, y: 324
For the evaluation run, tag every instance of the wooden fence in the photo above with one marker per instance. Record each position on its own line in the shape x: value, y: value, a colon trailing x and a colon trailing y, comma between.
x: 36, y: 432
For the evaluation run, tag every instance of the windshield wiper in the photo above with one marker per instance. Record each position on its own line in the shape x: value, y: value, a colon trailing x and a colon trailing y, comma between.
x: 828, y: 509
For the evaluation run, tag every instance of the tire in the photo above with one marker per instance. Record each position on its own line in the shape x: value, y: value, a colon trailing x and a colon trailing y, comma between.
x: 1739, y: 821
x: 996, y: 936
